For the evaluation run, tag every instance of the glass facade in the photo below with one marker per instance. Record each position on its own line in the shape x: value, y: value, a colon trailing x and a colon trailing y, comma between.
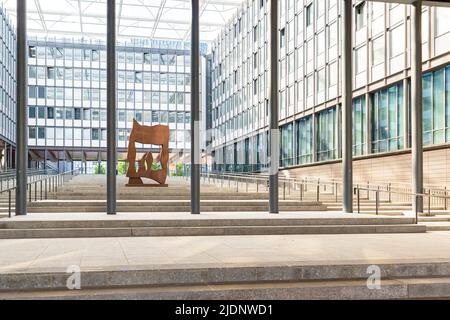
x: 436, y: 106
x: 7, y: 79
x: 310, y: 76
x: 327, y: 135
x: 67, y: 93
x: 387, y: 114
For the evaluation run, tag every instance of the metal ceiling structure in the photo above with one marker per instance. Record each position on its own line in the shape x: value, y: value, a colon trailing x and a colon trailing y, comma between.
x: 154, y: 19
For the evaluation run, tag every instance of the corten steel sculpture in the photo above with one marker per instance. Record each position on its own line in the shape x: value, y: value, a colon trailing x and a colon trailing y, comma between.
x: 155, y: 135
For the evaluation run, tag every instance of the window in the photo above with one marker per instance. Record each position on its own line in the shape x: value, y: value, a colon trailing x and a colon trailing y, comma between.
x: 309, y: 15
x: 326, y: 135
x: 387, y: 117
x: 32, y: 112
x: 359, y: 126
x: 41, y: 133
x: 287, y: 145
x: 442, y: 21
x: 361, y: 16
x: 397, y: 41
x: 32, y: 133
x: 32, y: 52
x: 282, y: 38
x: 50, y: 113
x: 304, y: 140
x: 377, y: 51
x: 360, y: 60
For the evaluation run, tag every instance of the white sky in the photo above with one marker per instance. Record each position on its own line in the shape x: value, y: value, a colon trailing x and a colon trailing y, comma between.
x: 151, y: 19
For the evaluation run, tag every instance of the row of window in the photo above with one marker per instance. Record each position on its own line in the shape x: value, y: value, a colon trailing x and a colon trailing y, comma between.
x: 95, y: 55
x: 87, y: 114
x: 99, y: 75
x: 94, y: 134
x: 7, y: 78
x: 90, y: 94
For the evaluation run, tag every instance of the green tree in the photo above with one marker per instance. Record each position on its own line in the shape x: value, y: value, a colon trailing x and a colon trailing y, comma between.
x: 99, y: 169
x: 122, y: 168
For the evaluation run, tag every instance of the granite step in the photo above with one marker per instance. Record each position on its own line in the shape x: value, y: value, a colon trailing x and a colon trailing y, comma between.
x: 272, y: 281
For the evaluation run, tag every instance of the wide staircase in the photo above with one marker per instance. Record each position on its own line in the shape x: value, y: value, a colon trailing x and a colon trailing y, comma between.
x: 87, y: 193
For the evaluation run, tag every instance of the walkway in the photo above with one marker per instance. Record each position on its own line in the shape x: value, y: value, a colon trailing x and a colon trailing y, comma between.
x: 39, y: 255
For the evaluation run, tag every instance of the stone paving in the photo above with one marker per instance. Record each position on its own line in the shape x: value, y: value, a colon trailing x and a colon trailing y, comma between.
x: 40, y: 255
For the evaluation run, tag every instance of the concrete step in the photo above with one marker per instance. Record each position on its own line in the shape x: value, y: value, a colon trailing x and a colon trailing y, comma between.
x: 436, y: 226
x: 294, y: 281
x: 156, y: 221
x: 205, y: 231
x: 49, y: 206
x: 421, y: 288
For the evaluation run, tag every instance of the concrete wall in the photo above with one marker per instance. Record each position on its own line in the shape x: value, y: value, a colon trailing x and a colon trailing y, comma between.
x: 395, y: 168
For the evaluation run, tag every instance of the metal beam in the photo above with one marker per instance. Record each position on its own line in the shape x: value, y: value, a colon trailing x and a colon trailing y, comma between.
x: 21, y: 122
x: 111, y: 111
x: 273, y: 102
x: 416, y: 104
x: 347, y: 94
x: 195, y: 106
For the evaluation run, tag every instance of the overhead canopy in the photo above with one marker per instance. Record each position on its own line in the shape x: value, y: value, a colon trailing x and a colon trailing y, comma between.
x: 154, y: 19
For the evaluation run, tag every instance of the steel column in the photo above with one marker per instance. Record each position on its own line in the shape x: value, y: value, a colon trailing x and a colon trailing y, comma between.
x: 111, y: 111
x: 416, y: 104
x: 347, y: 93
x: 195, y: 112
x: 274, y: 125
x: 21, y: 122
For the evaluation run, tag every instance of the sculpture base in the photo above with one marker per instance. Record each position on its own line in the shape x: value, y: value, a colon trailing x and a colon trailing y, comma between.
x: 152, y: 185
x: 137, y: 182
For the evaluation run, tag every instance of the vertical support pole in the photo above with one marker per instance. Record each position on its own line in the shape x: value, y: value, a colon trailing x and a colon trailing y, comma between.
x: 195, y: 105
x: 21, y: 128
x: 347, y: 91
x: 273, y: 101
x: 11, y: 162
x: 416, y: 104
x: 45, y: 160
x: 111, y: 111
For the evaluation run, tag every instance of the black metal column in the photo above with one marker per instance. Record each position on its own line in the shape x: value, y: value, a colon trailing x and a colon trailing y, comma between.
x: 21, y: 122
x: 274, y: 140
x: 347, y: 93
x: 111, y: 111
x: 416, y: 104
x: 195, y: 109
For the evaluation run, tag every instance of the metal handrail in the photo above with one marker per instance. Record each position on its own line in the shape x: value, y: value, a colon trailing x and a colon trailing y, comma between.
x: 319, y: 184
x: 51, y: 184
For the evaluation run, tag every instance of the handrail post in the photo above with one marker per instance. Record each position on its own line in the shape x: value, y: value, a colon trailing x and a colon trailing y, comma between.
x: 429, y: 202
x: 390, y: 197
x: 377, y: 200
x: 318, y: 192
x: 284, y: 190
x: 357, y: 195
x: 9, y: 203
x: 40, y: 183
x: 301, y: 191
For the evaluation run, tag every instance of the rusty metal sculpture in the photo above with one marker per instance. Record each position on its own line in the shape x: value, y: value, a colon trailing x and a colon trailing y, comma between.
x: 155, y: 135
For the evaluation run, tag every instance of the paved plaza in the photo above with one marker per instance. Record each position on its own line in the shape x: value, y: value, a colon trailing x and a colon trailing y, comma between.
x: 39, y: 255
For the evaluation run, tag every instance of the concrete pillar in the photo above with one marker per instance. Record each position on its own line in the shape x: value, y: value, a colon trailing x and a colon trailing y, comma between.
x: 111, y: 111
x: 195, y: 108
x: 416, y: 104
x: 347, y: 92
x: 274, y: 133
x: 21, y: 123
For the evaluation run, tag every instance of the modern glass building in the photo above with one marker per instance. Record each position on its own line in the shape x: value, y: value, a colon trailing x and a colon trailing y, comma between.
x: 7, y: 91
x: 67, y: 94
x: 310, y: 86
